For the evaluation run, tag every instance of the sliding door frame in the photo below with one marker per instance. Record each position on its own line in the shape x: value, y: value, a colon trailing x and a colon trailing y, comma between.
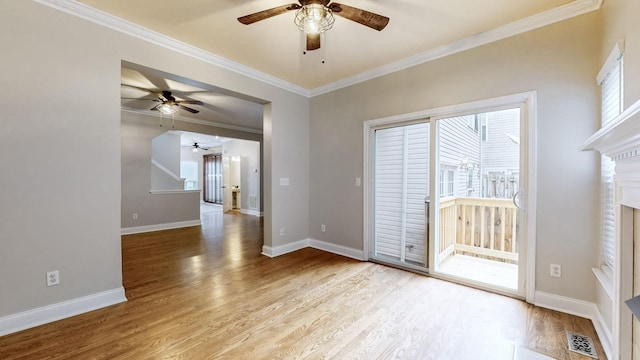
x: 527, y: 103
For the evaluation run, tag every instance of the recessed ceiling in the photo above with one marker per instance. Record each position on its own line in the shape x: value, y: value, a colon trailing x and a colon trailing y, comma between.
x: 275, y: 46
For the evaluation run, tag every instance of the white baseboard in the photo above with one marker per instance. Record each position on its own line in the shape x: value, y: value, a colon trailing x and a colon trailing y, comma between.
x: 50, y: 313
x: 580, y: 308
x: 316, y: 244
x: 251, y: 212
x: 604, y: 333
x: 158, y: 227
x: 284, y: 249
x: 337, y: 249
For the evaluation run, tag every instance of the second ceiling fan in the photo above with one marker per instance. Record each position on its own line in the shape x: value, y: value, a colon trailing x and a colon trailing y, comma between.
x: 316, y: 16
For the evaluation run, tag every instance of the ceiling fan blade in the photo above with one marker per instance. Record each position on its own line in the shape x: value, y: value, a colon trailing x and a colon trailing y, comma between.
x: 360, y: 16
x: 313, y: 42
x: 192, y: 102
x: 193, y: 111
x: 143, y: 99
x: 265, y: 14
x: 167, y: 95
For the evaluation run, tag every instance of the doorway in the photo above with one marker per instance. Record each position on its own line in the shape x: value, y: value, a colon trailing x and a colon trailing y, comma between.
x: 212, y: 178
x: 450, y: 193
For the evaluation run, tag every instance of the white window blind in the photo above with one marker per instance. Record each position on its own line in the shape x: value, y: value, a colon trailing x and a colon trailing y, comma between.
x: 611, y: 86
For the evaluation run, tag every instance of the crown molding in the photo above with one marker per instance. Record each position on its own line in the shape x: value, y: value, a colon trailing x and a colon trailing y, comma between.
x: 558, y: 14
x: 96, y: 16
x: 567, y: 11
x: 195, y: 121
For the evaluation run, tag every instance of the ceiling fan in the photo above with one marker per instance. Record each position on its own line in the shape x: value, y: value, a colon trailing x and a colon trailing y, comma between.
x: 169, y: 104
x: 316, y: 16
x: 197, y: 147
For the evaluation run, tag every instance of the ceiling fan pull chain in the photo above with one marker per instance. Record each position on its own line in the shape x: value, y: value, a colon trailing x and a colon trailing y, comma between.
x: 323, y: 49
x: 173, y: 121
x: 160, y: 119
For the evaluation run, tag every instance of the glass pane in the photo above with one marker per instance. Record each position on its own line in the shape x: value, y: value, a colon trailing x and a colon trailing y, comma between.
x: 400, y: 188
x: 478, y: 221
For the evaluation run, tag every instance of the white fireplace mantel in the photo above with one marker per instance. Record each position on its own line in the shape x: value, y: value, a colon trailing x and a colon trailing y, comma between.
x: 620, y: 138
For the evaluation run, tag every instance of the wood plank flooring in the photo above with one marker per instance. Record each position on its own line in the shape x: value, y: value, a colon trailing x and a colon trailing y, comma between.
x: 207, y: 293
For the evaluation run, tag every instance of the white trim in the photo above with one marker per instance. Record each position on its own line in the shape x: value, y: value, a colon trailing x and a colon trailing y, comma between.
x: 62, y: 310
x: 561, y: 13
x: 284, y: 249
x: 558, y: 14
x: 580, y: 308
x: 196, y: 121
x: 115, y: 23
x: 604, y: 333
x: 337, y: 249
x: 618, y: 138
x: 614, y: 56
x: 158, y: 227
x: 605, y: 281
x: 531, y: 161
x: 252, y: 212
x: 312, y: 243
x: 168, y: 192
x: 164, y: 169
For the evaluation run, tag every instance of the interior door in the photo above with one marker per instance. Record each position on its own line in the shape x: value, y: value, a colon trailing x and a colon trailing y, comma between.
x: 226, y: 187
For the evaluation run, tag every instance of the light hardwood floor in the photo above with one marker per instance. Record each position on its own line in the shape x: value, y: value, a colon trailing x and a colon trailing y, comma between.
x: 208, y: 293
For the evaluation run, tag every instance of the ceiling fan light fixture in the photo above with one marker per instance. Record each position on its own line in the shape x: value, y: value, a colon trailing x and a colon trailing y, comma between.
x: 314, y: 18
x: 167, y: 109
x: 195, y: 149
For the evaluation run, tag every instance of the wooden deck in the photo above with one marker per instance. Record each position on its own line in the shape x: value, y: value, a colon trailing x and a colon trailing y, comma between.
x: 207, y: 293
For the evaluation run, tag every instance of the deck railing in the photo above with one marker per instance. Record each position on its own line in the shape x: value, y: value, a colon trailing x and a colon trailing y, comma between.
x: 482, y: 227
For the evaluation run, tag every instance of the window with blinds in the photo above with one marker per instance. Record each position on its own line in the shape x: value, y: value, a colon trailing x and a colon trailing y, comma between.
x: 611, y: 86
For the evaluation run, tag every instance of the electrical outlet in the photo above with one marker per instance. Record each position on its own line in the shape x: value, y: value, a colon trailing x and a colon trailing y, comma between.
x: 323, y: 228
x: 556, y: 270
x: 135, y: 216
x: 281, y: 231
x: 53, y: 278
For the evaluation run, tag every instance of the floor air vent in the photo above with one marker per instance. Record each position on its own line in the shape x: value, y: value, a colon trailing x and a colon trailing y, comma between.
x: 581, y: 344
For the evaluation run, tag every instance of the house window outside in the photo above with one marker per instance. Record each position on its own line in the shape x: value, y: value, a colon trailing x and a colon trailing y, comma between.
x: 447, y: 184
x: 611, y: 83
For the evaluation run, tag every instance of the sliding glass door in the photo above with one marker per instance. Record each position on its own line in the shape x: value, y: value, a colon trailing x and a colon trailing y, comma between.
x: 446, y: 194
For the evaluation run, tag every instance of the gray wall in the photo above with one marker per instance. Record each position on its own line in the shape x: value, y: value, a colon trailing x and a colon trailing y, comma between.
x: 61, y: 206
x: 559, y: 61
x: 138, y: 131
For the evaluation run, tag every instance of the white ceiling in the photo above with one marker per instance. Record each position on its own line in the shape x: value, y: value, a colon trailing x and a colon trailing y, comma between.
x: 274, y: 46
x: 418, y: 31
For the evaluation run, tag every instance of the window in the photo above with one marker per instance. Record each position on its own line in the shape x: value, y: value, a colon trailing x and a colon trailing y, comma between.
x: 610, y: 79
x: 447, y: 185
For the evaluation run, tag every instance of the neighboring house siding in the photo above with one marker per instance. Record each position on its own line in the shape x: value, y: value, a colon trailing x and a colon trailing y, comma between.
x: 460, y: 140
x: 501, y: 153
